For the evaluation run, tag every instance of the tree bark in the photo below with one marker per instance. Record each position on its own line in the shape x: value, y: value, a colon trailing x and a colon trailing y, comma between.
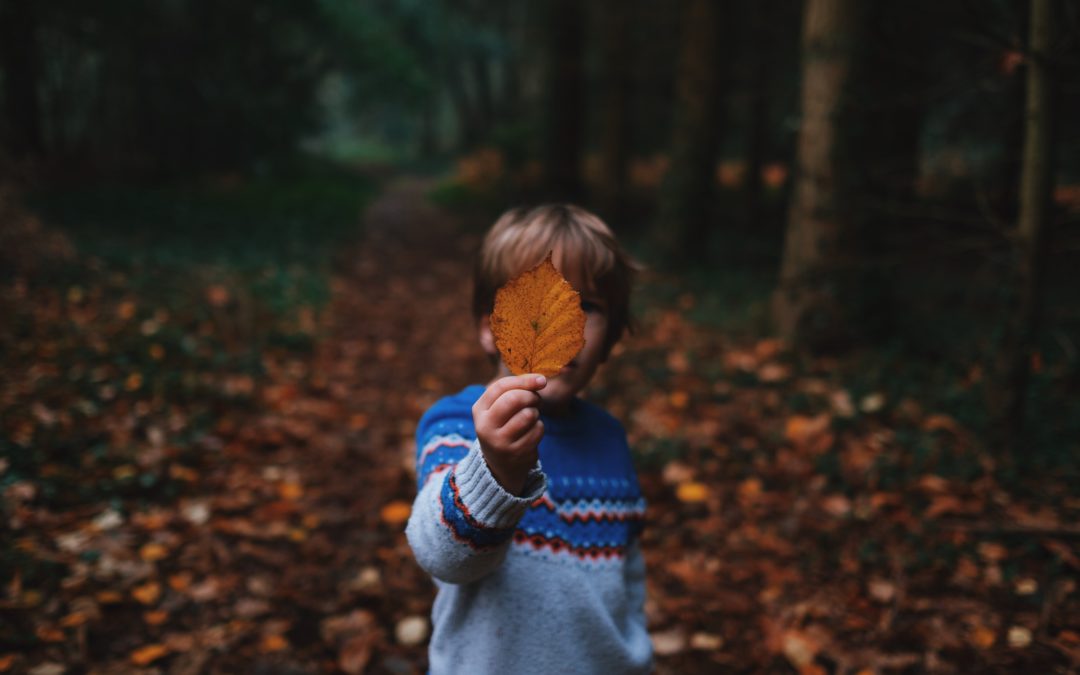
x: 807, y: 306
x: 566, y: 105
x: 19, y: 54
x: 757, y: 146
x: 686, y: 208
x: 615, y: 135
x: 1036, y: 186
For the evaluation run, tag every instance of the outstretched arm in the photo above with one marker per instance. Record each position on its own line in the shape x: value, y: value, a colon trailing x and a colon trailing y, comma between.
x: 468, y: 506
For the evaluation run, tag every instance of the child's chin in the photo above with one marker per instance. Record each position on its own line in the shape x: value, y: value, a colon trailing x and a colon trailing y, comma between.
x: 556, y: 393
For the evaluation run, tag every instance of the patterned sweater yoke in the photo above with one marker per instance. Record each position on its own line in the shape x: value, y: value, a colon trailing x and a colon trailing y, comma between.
x: 552, y: 581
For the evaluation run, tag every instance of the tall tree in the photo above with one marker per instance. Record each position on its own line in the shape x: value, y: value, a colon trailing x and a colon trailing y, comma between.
x: 615, y: 110
x: 817, y: 259
x: 19, y: 61
x: 686, y: 208
x: 1036, y: 186
x: 761, y: 66
x: 565, y: 100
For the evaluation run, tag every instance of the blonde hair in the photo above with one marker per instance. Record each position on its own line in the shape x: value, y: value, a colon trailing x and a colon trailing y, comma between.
x: 579, y: 241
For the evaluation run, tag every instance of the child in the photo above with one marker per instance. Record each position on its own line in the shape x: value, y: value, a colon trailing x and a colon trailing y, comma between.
x: 529, y: 509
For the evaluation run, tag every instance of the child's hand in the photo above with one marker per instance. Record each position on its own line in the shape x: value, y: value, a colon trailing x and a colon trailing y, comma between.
x: 508, y: 426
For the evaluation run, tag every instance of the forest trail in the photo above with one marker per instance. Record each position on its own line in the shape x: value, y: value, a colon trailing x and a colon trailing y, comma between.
x: 337, y: 438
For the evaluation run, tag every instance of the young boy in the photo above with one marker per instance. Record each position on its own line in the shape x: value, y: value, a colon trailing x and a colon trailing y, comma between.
x: 529, y: 510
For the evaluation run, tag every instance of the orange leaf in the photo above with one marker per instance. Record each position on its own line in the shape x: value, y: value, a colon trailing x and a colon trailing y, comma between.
x: 273, y: 643
x: 983, y: 637
x: 290, y: 490
x: 395, y: 513
x: 691, y: 492
x: 147, y: 594
x: 538, y: 323
x: 6, y: 661
x: 153, y: 551
x: 49, y: 634
x: 156, y: 617
x: 74, y: 620
x: 144, y: 656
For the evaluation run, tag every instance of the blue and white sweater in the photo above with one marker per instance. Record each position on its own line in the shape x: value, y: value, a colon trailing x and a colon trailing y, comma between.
x: 551, y: 582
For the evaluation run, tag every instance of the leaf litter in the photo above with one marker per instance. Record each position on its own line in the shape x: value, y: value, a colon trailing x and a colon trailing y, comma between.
x: 780, y: 537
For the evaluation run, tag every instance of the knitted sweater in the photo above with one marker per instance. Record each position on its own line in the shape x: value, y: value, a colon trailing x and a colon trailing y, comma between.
x: 551, y: 582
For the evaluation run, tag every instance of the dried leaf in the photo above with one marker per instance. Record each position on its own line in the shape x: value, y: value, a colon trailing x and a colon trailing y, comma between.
x: 983, y: 637
x: 395, y: 513
x: 355, y: 654
x: 692, y: 492
x: 1019, y: 637
x: 799, y: 648
x: 147, y: 594
x: 144, y: 656
x: 669, y: 642
x: 411, y: 631
x: 153, y: 552
x: 273, y: 643
x: 538, y: 323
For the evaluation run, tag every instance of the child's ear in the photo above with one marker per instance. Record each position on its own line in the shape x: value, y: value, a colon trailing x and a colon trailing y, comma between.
x: 487, y: 339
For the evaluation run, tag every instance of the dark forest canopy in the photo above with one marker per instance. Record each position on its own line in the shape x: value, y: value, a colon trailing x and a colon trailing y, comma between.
x: 194, y: 85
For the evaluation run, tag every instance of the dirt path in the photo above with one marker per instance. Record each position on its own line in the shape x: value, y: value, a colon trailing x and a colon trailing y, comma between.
x: 397, y: 336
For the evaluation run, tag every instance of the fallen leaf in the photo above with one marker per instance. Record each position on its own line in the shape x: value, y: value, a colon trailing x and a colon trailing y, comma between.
x: 273, y: 643
x: 355, y: 654
x: 411, y: 631
x: 669, y: 642
x: 144, y: 656
x: 395, y: 513
x: 798, y: 648
x: 153, y: 552
x: 691, y: 492
x: 983, y: 637
x: 6, y: 661
x: 538, y: 323
x: 706, y: 642
x: 49, y: 634
x: 74, y: 620
x: 147, y: 594
x: 156, y: 617
x: 290, y: 490
x: 1019, y: 637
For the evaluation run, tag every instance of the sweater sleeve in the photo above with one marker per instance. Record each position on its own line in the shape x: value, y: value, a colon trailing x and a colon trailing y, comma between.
x: 462, y: 520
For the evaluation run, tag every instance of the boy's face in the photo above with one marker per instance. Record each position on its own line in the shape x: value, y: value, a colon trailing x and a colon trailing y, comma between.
x: 573, y: 378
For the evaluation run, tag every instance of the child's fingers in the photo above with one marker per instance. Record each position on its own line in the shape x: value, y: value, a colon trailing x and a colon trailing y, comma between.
x: 522, y: 421
x: 505, y: 384
x: 530, y: 439
x: 509, y: 404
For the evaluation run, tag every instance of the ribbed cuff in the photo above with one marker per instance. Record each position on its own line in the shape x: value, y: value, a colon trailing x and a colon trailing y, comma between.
x: 485, y: 499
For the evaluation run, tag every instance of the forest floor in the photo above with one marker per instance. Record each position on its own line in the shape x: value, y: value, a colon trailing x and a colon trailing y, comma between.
x: 788, y: 530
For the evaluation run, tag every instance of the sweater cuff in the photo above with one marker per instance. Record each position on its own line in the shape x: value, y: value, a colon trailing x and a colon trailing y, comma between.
x: 488, y: 502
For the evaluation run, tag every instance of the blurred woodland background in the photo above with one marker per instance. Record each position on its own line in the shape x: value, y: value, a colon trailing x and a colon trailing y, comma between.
x: 235, y: 246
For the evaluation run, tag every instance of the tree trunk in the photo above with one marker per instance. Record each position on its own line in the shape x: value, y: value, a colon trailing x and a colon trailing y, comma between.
x: 686, y: 208
x: 485, y: 102
x: 19, y: 54
x: 757, y: 146
x: 463, y: 106
x: 807, y: 307
x: 1036, y: 186
x: 566, y: 106
x: 615, y: 137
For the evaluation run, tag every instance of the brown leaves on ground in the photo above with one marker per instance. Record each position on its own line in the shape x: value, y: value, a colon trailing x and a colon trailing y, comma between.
x: 538, y: 322
x: 789, y: 528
